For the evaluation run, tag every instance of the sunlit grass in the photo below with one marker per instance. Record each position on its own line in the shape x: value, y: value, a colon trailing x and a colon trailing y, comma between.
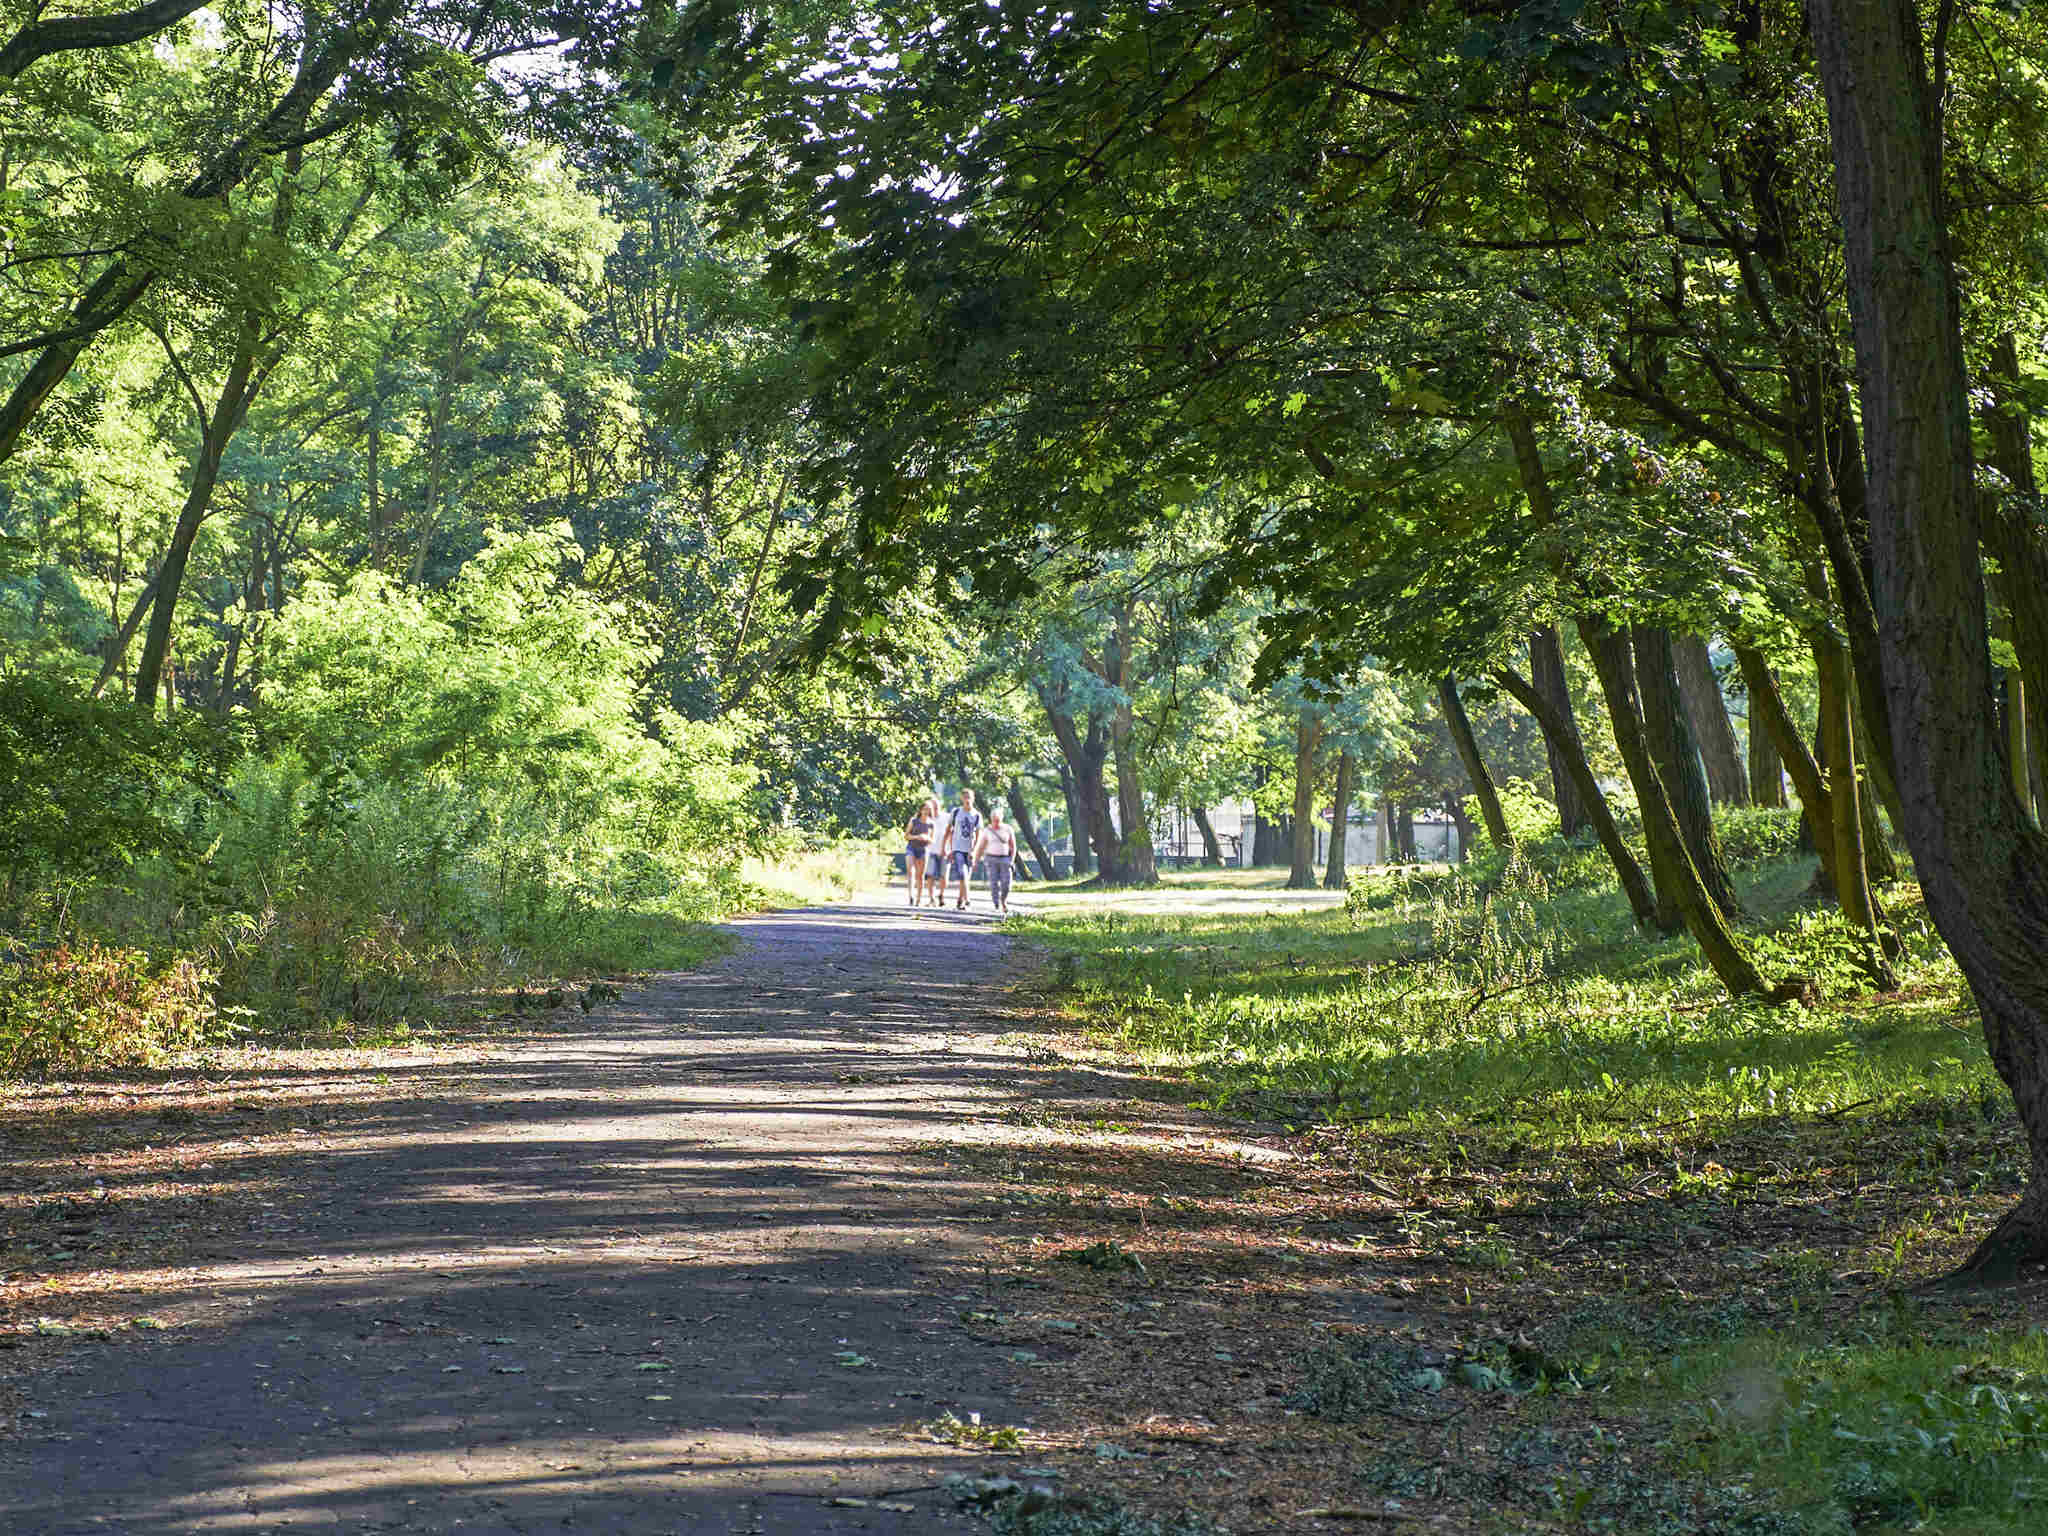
x: 1510, y: 1059
x: 1552, y: 1016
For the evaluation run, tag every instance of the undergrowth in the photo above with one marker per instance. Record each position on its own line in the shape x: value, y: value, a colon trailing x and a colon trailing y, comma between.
x: 1709, y: 1213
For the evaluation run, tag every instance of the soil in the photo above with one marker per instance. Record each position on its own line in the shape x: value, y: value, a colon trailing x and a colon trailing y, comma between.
x: 678, y: 1266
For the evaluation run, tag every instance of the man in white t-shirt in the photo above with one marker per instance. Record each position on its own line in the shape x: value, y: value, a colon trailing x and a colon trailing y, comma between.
x: 957, y: 843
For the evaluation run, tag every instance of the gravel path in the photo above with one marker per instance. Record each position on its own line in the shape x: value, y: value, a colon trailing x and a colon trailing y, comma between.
x: 676, y: 1271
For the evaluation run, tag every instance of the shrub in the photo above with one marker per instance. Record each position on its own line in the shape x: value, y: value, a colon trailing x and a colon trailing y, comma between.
x: 1754, y: 835
x: 91, y: 783
x: 75, y: 1008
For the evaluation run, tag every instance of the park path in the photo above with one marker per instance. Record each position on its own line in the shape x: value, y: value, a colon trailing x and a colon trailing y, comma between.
x: 675, y: 1268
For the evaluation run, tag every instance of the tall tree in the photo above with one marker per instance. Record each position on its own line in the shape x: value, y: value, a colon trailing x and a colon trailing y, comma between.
x: 1983, y: 865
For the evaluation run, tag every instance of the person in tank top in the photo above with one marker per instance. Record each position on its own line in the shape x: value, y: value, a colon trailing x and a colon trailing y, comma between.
x: 996, y: 851
x: 918, y: 833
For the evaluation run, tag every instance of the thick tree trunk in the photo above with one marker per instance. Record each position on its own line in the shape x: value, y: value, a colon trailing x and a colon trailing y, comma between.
x: 1708, y: 923
x: 1547, y: 674
x: 1982, y: 865
x: 1077, y: 822
x: 1265, y: 841
x: 1766, y: 767
x: 1460, y: 727
x: 1027, y: 828
x: 1404, y: 830
x: 1109, y: 865
x: 1136, y: 862
x: 1677, y: 757
x: 1267, y: 848
x: 1212, y: 849
x: 1085, y: 755
x: 1334, y: 876
x: 1308, y: 738
x: 1561, y: 736
x: 1707, y: 712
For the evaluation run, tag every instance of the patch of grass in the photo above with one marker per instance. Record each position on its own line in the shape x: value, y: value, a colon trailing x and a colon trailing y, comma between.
x: 1888, y: 1429
x: 1543, y: 1015
x: 1666, y: 1236
x: 1088, y: 1517
x: 971, y: 1434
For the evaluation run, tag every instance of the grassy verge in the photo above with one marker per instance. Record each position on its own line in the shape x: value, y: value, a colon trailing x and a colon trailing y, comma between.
x: 137, y: 978
x: 1678, y: 1240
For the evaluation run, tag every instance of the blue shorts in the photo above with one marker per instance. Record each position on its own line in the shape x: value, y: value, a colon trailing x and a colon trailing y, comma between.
x: 962, y: 863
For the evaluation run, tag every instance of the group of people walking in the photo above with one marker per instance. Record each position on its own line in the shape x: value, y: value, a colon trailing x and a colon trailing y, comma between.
x: 944, y: 851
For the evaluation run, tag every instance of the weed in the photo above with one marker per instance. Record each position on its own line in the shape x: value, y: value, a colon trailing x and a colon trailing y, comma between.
x: 87, y: 1006
x: 971, y: 1434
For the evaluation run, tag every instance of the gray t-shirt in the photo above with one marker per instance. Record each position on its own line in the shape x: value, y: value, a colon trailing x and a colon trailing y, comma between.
x: 966, y: 824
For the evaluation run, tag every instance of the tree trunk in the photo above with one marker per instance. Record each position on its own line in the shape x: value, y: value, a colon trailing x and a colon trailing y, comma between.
x: 116, y: 647
x: 1266, y: 844
x: 1982, y: 865
x: 2018, y: 728
x: 1308, y: 739
x: 1077, y: 821
x: 1109, y: 867
x: 1334, y: 875
x: 1460, y: 726
x: 1707, y: 712
x: 2013, y: 537
x: 1020, y: 814
x: 1134, y: 860
x: 1085, y: 755
x: 1851, y: 871
x: 1561, y: 737
x: 1677, y: 757
x: 1766, y: 767
x: 1547, y: 674
x: 1212, y: 850
x: 1877, y: 853
x: 1609, y: 648
x: 1768, y: 714
x: 1463, y: 825
x: 373, y: 508
x: 1404, y: 830
x: 226, y: 420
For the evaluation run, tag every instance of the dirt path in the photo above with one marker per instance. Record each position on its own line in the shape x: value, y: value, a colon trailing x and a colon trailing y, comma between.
x: 675, y: 1269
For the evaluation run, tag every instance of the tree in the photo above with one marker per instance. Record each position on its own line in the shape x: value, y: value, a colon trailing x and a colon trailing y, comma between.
x: 1983, y: 865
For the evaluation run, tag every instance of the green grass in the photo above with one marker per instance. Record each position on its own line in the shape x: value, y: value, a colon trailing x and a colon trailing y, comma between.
x: 1885, y: 1429
x: 1722, y: 1205
x: 1547, y: 1015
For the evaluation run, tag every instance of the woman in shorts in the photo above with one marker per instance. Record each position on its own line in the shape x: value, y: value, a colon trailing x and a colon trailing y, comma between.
x: 917, y: 842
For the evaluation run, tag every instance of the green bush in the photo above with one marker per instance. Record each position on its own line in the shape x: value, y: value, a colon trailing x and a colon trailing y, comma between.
x: 72, y: 1008
x: 1755, y: 835
x: 89, y: 785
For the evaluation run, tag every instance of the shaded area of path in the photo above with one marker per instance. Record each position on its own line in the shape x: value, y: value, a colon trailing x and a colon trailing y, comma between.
x: 674, y: 1271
